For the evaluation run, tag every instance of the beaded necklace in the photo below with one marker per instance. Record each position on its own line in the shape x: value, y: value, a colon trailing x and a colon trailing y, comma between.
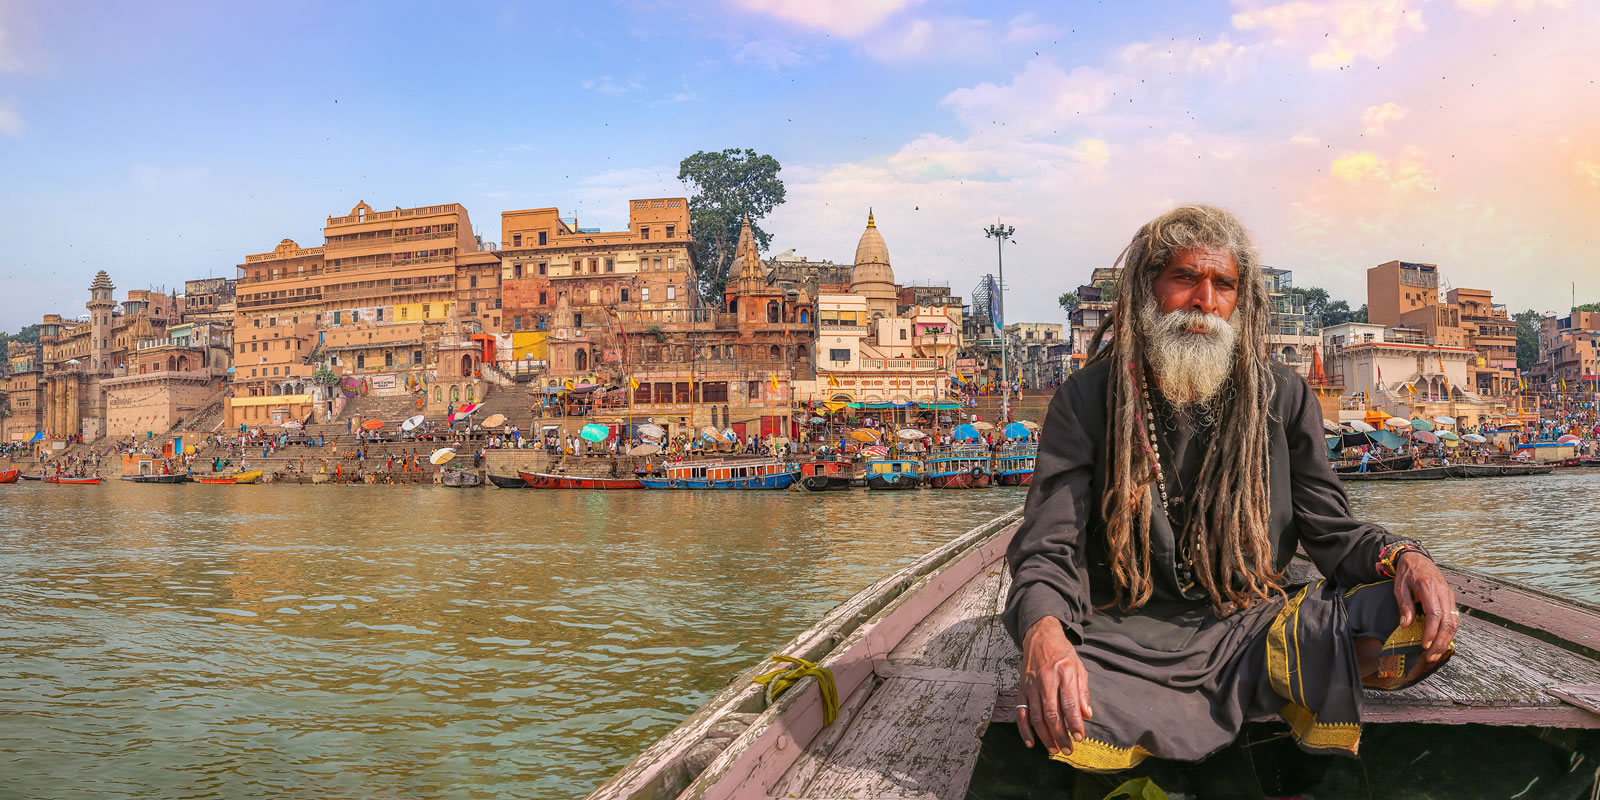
x: 1185, y: 569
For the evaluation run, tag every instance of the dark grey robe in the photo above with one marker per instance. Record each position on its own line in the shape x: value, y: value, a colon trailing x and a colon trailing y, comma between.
x: 1171, y: 678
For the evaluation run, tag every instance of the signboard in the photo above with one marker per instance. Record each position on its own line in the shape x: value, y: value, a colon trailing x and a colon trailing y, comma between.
x: 384, y: 383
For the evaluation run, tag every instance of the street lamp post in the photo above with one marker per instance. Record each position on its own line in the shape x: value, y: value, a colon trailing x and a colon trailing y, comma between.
x: 1000, y: 234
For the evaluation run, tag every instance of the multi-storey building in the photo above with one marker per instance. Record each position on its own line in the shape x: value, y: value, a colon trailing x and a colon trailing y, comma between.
x: 78, y: 355
x: 1095, y: 299
x: 24, y: 392
x: 368, y: 305
x: 1040, y: 353
x: 1292, y: 334
x: 1490, y: 331
x: 168, y: 378
x: 1567, y: 351
x: 208, y: 300
x: 1396, y: 288
x: 545, y: 258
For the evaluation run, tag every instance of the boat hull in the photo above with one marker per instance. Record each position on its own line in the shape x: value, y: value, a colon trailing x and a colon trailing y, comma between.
x: 73, y: 481
x: 1023, y: 478
x: 247, y: 477
x: 894, y: 481
x: 503, y: 482
x: 824, y: 483
x: 782, y: 480
x: 972, y: 479
x: 225, y: 480
x: 1396, y: 463
x: 460, y: 480
x: 541, y: 480
x: 1499, y: 470
x: 31, y: 477
x: 156, y: 478
x: 1425, y: 474
x: 9, y: 476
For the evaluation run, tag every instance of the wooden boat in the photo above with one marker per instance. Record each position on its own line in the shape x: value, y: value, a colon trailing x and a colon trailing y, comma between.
x: 73, y: 481
x: 1499, y: 470
x: 31, y: 477
x: 176, y: 478
x: 825, y: 475
x: 925, y: 680
x: 214, y: 480
x: 503, y: 482
x: 1423, y: 474
x: 543, y: 480
x: 1014, y: 466
x: 9, y: 476
x: 459, y: 479
x: 1378, y: 464
x: 893, y: 473
x: 752, y: 474
x: 959, y: 467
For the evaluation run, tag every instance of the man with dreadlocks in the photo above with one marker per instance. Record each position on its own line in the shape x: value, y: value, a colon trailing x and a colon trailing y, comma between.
x: 1177, y: 474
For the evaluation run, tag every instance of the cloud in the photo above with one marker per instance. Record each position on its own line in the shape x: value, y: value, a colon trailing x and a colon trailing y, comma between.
x: 1304, y: 139
x: 1490, y: 6
x: 606, y: 86
x: 1026, y: 30
x: 1335, y: 33
x: 10, y: 120
x: 772, y: 54
x: 1176, y: 55
x: 1092, y: 151
x: 1590, y: 170
x: 850, y: 18
x: 945, y: 38
x: 1376, y: 117
x: 1042, y: 97
x: 1406, y: 174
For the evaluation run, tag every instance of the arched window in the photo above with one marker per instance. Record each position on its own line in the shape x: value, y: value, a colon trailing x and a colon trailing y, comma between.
x: 775, y: 353
x: 172, y: 363
x: 183, y: 363
x: 800, y: 354
x: 805, y: 316
x: 438, y: 393
x: 772, y: 311
x: 466, y: 366
x: 580, y: 360
x: 733, y: 306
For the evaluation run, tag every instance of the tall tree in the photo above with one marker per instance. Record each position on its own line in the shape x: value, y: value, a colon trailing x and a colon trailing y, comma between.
x: 1069, y: 302
x: 726, y: 187
x: 1527, y: 338
x: 1590, y: 307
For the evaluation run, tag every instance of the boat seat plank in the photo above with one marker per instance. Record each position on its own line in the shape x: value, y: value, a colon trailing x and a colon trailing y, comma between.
x: 945, y: 637
x: 1495, y: 667
x: 914, y: 738
x: 1584, y: 697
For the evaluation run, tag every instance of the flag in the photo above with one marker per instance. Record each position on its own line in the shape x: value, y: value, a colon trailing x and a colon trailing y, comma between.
x: 568, y: 384
x: 833, y: 380
x: 1410, y: 388
x: 634, y: 382
x: 774, y: 381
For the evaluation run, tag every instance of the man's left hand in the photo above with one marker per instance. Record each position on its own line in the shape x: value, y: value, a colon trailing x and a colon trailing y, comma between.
x: 1418, y: 582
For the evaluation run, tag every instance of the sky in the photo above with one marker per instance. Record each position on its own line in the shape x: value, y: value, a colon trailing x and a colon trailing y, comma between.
x: 165, y: 141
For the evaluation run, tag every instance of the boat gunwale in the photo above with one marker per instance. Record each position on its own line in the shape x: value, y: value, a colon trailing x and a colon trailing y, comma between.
x: 647, y: 775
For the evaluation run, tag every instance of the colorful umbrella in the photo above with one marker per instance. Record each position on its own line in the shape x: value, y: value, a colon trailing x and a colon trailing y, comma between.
x: 652, y: 431
x: 863, y: 435
x: 412, y: 423
x: 595, y: 433
x: 964, y: 433
x: 1448, y: 436
x: 1015, y: 431
x: 1397, y: 422
x: 1425, y: 437
x: 463, y: 412
x: 1445, y: 420
x: 495, y: 421
x: 1029, y: 424
x: 818, y: 421
x: 875, y: 451
x: 1421, y: 425
x: 727, y: 433
x: 372, y: 424
x: 441, y: 455
x: 911, y: 434
x: 1475, y: 438
x: 645, y: 450
x: 1358, y: 425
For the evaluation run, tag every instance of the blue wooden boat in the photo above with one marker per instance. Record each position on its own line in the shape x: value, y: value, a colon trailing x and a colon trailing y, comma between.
x: 894, y: 473
x: 766, y: 474
x: 1014, y: 466
x: 963, y: 466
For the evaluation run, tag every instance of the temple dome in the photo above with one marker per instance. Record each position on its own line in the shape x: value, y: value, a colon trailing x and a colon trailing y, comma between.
x: 872, y: 259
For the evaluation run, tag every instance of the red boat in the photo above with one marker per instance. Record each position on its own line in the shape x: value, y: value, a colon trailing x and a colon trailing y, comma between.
x: 541, y: 480
x: 822, y: 476
x: 9, y: 476
x: 73, y: 481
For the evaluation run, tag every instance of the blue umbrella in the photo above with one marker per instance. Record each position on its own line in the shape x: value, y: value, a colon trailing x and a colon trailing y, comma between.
x: 1015, y: 430
x: 964, y: 433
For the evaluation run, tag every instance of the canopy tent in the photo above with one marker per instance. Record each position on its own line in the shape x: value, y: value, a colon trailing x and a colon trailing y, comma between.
x: 964, y: 433
x: 1015, y: 430
x: 1361, y: 438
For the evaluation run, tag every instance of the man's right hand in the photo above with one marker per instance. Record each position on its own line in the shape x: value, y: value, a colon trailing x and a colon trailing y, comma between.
x: 1053, y: 693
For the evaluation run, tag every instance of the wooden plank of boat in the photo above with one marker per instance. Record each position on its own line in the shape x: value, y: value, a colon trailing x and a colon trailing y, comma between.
x: 215, y: 480
x: 247, y: 477
x: 545, y: 480
x: 1424, y: 474
x: 31, y: 477
x: 928, y: 667
x: 73, y: 481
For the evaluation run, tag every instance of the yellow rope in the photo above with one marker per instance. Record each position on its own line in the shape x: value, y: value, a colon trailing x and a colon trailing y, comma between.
x: 778, y: 681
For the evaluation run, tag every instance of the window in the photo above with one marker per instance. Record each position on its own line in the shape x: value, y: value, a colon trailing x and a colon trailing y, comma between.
x: 380, y: 315
x: 541, y: 267
x: 902, y: 334
x: 472, y: 308
x: 472, y: 282
x: 388, y: 358
x: 672, y: 292
x: 404, y: 313
x: 753, y: 390
x: 644, y: 232
x: 624, y: 297
x: 416, y: 356
x: 497, y: 304
x: 542, y: 299
x: 516, y: 270
x: 425, y: 309
x: 361, y: 360
x: 516, y: 240
x: 541, y: 241
x: 252, y: 347
x: 835, y: 354
x: 671, y: 231
x: 611, y: 265
x: 516, y: 322
x: 642, y: 394
x: 577, y: 320
x: 644, y: 294
x: 714, y: 392
x: 658, y: 262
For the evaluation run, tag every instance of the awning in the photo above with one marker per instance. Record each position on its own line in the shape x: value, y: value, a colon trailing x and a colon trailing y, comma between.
x: 948, y: 405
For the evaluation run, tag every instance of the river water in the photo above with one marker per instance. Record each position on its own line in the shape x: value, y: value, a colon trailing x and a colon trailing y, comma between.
x: 422, y: 642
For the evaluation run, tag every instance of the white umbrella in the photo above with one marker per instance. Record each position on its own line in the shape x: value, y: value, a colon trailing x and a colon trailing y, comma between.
x: 1360, y: 426
x: 1330, y: 427
x: 1032, y: 426
x: 652, y: 431
x: 412, y: 423
x: 291, y: 424
x: 441, y: 455
x: 1397, y: 422
x: 1444, y: 420
x: 911, y: 434
x: 644, y: 450
x: 1473, y: 437
x: 495, y: 421
x: 982, y: 426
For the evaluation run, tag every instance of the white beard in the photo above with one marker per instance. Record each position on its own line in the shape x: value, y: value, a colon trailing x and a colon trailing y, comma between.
x: 1190, y: 367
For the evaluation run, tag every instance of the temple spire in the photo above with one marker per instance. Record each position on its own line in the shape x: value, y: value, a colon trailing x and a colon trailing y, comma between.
x: 870, y: 223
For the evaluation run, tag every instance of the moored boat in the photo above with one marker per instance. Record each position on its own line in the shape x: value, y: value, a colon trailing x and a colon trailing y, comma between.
x: 1422, y: 474
x: 825, y: 475
x: 31, y: 477
x: 960, y: 467
x: 921, y: 696
x: 215, y: 480
x: 894, y: 473
x: 1499, y: 470
x: 460, y: 479
x: 176, y: 478
x: 9, y: 476
x: 545, y: 480
x: 504, y: 482
x: 1378, y: 465
x: 1014, y: 466
x: 73, y: 481
x: 763, y: 474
